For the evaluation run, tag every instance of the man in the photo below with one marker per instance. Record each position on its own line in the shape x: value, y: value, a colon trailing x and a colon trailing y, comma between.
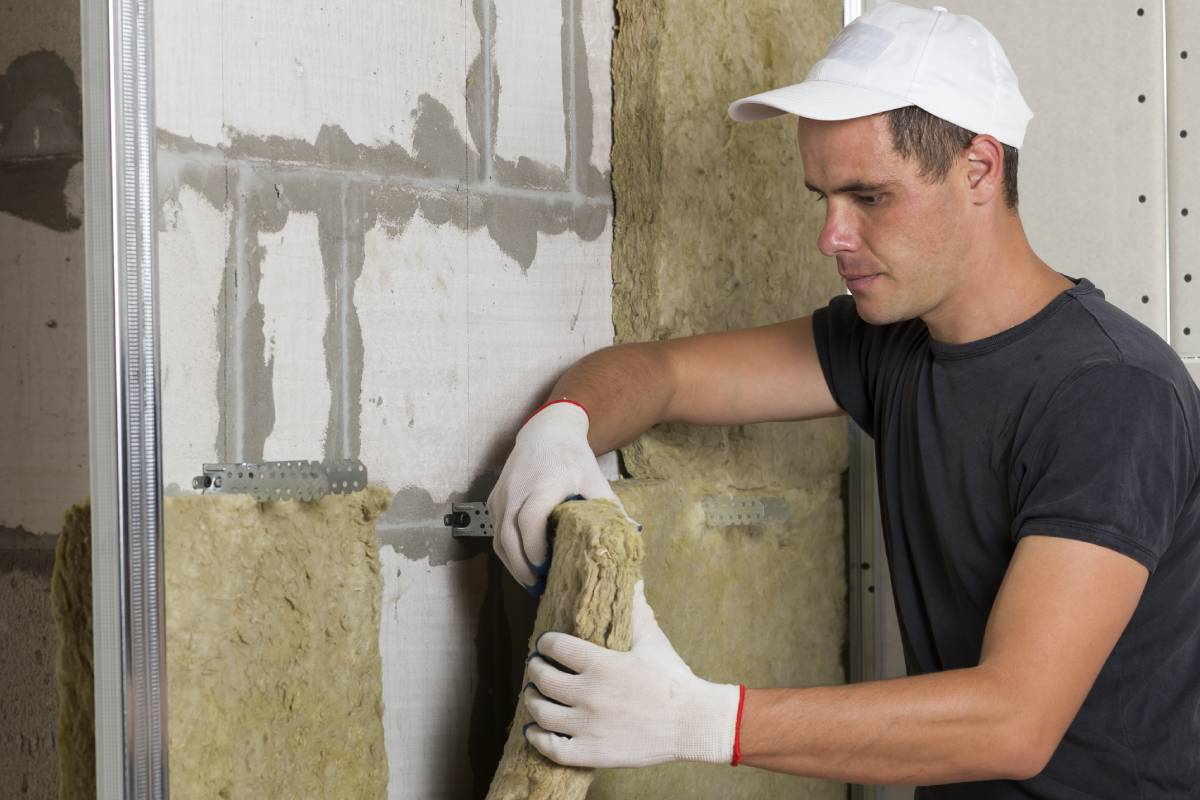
x: 1037, y: 450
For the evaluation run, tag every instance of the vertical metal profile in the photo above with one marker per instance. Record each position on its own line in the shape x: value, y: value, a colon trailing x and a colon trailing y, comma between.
x: 123, y: 402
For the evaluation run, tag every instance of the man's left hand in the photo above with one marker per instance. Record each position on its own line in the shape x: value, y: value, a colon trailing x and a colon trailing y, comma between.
x: 595, y: 707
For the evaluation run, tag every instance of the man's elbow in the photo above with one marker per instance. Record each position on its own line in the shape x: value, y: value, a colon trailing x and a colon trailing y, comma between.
x: 1031, y: 744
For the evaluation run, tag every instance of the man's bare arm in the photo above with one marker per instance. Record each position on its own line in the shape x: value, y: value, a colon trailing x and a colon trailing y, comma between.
x: 734, y: 377
x: 1059, y: 612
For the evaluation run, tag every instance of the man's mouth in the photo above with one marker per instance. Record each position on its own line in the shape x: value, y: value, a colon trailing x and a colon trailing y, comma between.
x: 859, y: 281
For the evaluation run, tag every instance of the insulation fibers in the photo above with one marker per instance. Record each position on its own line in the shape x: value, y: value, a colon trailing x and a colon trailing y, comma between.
x: 71, y: 602
x: 762, y: 605
x: 713, y: 229
x: 273, y: 667
x: 589, y: 593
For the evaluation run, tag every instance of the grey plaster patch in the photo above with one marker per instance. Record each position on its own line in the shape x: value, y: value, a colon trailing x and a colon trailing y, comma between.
x: 413, y: 527
x: 353, y: 188
x: 41, y: 139
x: 19, y: 538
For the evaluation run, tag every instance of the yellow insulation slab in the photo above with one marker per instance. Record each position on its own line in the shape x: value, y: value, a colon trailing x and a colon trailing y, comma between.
x: 589, y: 593
x: 273, y: 667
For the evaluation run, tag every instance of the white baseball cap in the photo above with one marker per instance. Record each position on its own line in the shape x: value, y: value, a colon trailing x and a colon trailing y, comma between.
x: 896, y: 56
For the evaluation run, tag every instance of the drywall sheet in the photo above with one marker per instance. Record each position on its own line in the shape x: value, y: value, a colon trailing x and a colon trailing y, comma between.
x: 1092, y: 205
x: 589, y: 593
x: 1183, y: 164
x: 273, y: 669
x: 760, y: 604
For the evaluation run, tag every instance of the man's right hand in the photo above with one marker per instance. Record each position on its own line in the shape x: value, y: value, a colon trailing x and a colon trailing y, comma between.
x: 550, y: 462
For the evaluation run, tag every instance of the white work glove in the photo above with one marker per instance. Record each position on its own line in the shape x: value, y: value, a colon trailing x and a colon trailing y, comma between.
x: 627, y: 709
x: 551, y: 461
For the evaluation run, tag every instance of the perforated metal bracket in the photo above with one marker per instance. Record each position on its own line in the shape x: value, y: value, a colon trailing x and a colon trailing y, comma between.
x: 469, y: 521
x: 283, y: 480
x: 723, y: 511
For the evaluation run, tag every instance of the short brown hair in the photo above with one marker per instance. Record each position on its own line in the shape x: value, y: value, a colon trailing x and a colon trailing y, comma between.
x: 935, y: 143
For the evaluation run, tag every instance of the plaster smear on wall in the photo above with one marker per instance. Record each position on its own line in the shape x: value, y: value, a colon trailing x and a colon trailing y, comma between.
x: 273, y: 668
x: 442, y: 170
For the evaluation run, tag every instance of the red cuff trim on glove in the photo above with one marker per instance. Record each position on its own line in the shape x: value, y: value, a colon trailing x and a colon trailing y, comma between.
x: 546, y: 405
x: 737, y: 731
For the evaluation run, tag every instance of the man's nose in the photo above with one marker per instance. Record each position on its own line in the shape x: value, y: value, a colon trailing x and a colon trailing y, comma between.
x: 838, y: 235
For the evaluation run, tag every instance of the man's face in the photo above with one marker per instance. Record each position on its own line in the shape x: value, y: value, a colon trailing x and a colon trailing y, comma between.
x: 897, y: 239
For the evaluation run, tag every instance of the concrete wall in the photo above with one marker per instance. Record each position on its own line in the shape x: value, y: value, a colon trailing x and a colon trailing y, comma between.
x: 43, y: 401
x: 385, y: 229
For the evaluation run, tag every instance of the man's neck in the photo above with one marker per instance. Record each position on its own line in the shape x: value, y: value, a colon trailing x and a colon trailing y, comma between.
x: 1004, y: 288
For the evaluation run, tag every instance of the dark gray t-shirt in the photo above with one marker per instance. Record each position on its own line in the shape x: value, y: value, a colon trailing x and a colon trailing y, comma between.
x: 1079, y: 422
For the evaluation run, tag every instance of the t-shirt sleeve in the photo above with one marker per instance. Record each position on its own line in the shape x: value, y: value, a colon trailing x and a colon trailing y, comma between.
x: 843, y: 344
x: 1110, y: 463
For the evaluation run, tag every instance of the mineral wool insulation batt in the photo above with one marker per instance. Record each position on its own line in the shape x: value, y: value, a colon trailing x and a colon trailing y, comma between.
x: 273, y: 667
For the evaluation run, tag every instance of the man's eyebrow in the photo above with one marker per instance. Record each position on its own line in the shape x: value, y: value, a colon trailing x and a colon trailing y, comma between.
x: 857, y: 186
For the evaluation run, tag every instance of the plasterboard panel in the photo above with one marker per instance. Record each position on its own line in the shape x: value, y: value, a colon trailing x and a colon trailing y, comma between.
x: 1092, y: 150
x: 1183, y: 154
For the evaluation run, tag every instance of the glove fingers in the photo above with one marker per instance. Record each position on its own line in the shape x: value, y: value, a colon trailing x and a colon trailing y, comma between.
x: 572, y: 652
x: 597, y: 487
x: 553, y: 683
x: 531, y: 522
x: 554, y: 747
x: 551, y: 716
x: 507, y: 544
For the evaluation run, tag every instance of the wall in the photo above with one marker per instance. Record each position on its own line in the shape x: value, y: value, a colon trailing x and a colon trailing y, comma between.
x: 385, y: 229
x: 43, y: 405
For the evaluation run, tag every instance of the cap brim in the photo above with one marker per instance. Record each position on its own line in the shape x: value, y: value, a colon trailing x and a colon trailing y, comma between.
x: 816, y: 100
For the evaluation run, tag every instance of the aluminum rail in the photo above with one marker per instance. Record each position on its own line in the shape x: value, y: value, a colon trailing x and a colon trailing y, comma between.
x: 123, y: 400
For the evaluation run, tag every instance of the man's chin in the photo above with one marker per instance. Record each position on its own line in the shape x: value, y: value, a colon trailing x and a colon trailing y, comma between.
x: 873, y: 313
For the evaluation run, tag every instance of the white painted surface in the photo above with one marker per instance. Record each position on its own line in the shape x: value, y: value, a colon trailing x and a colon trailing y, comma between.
x: 43, y: 356
x: 430, y: 616
x: 295, y: 308
x: 191, y: 254
x: 412, y: 305
x: 529, y: 66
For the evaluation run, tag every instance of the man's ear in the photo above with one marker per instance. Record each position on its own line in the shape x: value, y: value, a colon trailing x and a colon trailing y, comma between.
x: 984, y: 158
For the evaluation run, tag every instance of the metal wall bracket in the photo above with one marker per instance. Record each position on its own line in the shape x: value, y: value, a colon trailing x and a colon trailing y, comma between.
x: 469, y: 521
x: 283, y: 480
x: 721, y: 511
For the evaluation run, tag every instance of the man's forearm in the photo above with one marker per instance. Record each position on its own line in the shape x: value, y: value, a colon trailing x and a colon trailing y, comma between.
x: 626, y: 389
x: 947, y: 727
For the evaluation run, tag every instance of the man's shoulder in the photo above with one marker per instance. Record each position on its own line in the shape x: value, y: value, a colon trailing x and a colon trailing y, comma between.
x: 1094, y: 332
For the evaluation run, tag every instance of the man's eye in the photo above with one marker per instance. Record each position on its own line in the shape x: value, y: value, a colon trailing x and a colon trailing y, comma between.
x: 868, y: 199
x: 818, y: 196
